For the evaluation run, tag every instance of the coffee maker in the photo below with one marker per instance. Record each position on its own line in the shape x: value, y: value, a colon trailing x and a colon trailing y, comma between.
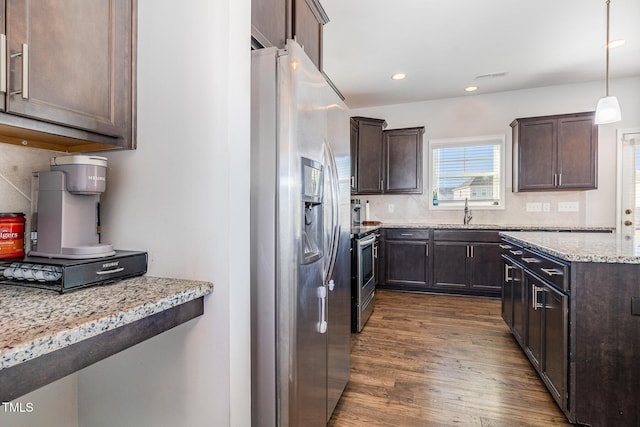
x: 68, y: 209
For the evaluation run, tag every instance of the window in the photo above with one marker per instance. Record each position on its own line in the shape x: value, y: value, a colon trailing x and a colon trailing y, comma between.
x: 468, y: 169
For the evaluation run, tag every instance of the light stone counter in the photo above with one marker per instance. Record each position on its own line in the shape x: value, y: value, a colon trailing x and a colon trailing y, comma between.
x: 34, y: 322
x: 359, y: 231
x: 501, y: 227
x: 582, y: 247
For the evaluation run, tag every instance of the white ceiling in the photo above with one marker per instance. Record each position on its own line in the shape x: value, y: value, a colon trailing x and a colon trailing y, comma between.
x: 442, y: 45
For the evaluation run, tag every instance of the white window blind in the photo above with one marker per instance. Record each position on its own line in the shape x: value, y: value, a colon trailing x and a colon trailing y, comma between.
x: 469, y: 168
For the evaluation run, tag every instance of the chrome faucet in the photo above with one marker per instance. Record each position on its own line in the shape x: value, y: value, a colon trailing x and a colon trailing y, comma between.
x: 467, y: 212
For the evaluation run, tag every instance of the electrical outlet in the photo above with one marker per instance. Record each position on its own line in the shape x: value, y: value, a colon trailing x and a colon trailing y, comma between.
x: 391, y: 208
x: 534, y: 207
x: 568, y: 206
x: 546, y: 207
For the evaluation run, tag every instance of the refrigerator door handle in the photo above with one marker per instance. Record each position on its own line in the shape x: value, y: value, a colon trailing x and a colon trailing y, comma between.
x: 322, y: 295
x: 334, y: 187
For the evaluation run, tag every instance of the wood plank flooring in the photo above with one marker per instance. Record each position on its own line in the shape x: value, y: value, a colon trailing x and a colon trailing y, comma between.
x: 438, y: 360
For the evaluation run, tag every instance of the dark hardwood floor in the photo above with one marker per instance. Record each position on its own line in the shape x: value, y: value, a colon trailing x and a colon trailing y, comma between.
x: 438, y: 360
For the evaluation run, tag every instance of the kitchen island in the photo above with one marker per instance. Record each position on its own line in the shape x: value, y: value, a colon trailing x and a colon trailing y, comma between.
x: 46, y: 336
x: 572, y: 302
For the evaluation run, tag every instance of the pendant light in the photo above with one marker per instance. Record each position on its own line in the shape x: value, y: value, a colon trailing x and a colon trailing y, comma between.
x: 608, y: 109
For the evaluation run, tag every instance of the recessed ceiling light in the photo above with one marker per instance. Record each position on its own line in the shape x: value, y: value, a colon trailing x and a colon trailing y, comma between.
x: 471, y: 88
x: 398, y: 76
x: 615, y: 43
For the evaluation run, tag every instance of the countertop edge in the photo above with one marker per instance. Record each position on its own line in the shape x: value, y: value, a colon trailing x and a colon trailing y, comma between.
x: 570, y: 257
x: 32, y: 349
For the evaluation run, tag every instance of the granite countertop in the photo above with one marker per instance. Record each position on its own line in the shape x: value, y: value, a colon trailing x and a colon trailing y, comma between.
x: 496, y: 227
x: 359, y: 231
x: 35, y: 322
x: 582, y: 247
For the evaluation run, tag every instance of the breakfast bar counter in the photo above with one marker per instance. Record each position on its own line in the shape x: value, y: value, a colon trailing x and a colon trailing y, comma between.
x: 46, y: 336
x: 583, y: 247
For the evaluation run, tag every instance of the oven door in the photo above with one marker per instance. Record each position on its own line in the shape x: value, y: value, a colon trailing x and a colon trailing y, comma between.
x: 366, y: 283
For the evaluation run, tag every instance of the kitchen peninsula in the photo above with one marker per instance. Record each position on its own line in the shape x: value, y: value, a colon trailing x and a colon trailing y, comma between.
x: 48, y: 336
x: 572, y: 302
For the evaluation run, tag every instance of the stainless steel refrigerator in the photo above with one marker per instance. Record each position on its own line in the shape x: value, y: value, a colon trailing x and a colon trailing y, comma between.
x: 300, y: 237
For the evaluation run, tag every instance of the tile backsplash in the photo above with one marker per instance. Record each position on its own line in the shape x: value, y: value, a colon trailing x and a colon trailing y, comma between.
x: 404, y: 209
x: 16, y: 168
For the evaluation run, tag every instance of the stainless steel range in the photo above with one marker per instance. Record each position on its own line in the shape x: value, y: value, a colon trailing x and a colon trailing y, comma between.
x: 365, y: 249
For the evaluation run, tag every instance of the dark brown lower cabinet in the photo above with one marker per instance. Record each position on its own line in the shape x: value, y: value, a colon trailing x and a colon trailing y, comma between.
x: 467, y: 262
x: 579, y: 328
x: 407, y: 263
x: 546, y: 340
x: 514, y: 298
x: 404, y: 259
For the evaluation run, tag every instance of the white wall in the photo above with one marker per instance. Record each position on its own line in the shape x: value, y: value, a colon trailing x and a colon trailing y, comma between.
x: 184, y: 197
x: 491, y: 114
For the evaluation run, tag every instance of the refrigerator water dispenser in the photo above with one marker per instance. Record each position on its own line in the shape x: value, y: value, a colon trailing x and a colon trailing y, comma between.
x: 312, y: 235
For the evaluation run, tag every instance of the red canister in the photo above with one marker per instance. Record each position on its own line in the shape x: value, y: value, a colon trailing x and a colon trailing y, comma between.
x: 11, y: 235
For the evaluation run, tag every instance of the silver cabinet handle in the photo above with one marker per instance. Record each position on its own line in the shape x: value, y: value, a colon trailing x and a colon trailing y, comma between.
x: 505, y: 246
x: 552, y: 271
x: 507, y: 267
x: 406, y: 234
x: 25, y: 71
x: 516, y: 252
x: 353, y: 180
x: 382, y: 184
x: 534, y: 293
x: 3, y: 63
x: 531, y: 260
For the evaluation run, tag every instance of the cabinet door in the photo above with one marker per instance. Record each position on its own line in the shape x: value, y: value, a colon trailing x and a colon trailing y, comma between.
x: 577, y: 153
x: 2, y: 31
x: 407, y: 263
x: 369, y: 156
x: 556, y: 331
x: 449, y: 265
x: 354, y: 156
x: 403, y: 161
x: 519, y: 304
x: 535, y: 304
x: 507, y: 293
x: 485, y: 267
x: 536, y: 155
x: 269, y: 23
x: 79, y: 63
x: 307, y: 29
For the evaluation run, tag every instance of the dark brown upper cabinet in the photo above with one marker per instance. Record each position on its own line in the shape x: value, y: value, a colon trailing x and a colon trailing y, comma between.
x: 70, y: 75
x: 403, y: 161
x: 273, y: 22
x: 555, y: 153
x: 367, y: 155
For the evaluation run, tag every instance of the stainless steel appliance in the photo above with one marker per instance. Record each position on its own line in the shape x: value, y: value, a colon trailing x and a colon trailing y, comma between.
x: 356, y: 213
x: 300, y: 234
x: 364, y: 280
x: 68, y: 209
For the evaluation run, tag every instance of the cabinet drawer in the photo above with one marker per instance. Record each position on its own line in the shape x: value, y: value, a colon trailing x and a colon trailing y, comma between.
x: 512, y: 250
x: 466, y: 235
x: 550, y: 269
x: 408, y: 234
